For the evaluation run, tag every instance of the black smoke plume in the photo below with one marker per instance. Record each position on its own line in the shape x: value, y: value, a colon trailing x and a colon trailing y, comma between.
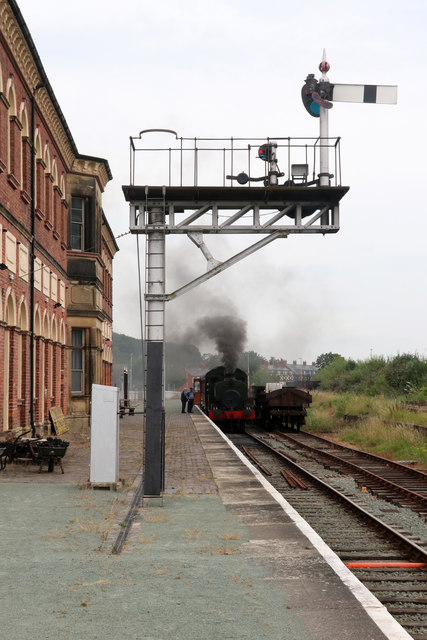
x: 229, y: 335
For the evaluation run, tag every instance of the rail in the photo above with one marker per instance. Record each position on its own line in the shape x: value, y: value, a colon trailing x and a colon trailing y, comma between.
x: 183, y: 161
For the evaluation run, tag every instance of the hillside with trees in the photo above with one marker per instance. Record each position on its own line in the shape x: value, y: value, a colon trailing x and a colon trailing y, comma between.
x: 401, y: 375
x: 127, y: 353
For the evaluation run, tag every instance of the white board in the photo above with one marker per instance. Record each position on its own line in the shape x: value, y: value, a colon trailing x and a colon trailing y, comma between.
x: 104, y: 434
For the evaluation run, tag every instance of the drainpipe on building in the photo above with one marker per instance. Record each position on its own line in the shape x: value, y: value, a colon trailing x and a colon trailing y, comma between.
x: 32, y: 258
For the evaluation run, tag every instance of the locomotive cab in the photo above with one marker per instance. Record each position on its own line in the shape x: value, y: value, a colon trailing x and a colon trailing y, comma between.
x: 224, y: 398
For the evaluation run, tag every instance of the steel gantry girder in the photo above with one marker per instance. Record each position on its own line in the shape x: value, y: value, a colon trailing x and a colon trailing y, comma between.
x: 237, y: 210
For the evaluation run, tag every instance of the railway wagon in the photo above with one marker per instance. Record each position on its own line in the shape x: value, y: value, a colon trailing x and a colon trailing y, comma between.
x: 224, y: 398
x: 284, y: 407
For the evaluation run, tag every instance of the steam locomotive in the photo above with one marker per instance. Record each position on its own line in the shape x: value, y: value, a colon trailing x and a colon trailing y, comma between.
x: 226, y: 399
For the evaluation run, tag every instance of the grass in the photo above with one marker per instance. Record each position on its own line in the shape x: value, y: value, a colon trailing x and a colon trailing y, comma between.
x: 375, y: 428
x: 230, y: 535
x: 193, y: 534
x: 394, y: 442
x: 226, y: 550
x: 156, y: 517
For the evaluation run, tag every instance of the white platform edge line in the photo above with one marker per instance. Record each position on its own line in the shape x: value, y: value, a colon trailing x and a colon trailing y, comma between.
x: 376, y: 611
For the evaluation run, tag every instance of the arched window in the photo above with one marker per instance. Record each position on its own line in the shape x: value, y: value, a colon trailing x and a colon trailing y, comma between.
x: 10, y: 309
x: 25, y: 155
x: 3, y: 127
x: 23, y: 316
x: 62, y: 212
x: 37, y: 381
x: 48, y: 188
x: 8, y: 361
x: 37, y: 321
x: 55, y: 361
x: 56, y: 203
x: 21, y: 380
x: 14, y: 138
x: 46, y: 329
x: 39, y: 172
x: 62, y: 332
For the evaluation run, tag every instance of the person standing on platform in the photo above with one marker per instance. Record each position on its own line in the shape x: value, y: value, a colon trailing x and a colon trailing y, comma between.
x: 190, y: 397
x: 183, y: 400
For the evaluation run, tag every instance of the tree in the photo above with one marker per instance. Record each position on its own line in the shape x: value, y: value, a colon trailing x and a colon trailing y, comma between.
x: 406, y: 372
x: 127, y: 353
x: 326, y: 358
x: 211, y: 360
x: 250, y: 360
x: 333, y: 376
x: 264, y: 375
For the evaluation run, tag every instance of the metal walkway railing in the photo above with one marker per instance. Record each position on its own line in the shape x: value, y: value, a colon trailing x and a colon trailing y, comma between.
x: 161, y: 157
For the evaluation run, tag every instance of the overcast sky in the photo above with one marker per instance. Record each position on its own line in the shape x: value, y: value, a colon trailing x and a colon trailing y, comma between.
x: 235, y: 68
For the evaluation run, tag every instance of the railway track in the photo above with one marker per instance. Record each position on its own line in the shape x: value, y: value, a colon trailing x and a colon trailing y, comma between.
x: 386, y: 479
x: 390, y: 560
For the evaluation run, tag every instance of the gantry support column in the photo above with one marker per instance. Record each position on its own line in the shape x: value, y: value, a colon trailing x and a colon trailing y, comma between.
x: 155, y: 334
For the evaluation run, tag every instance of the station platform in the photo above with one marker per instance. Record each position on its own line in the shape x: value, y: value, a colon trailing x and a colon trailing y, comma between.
x: 247, y: 565
x: 220, y: 555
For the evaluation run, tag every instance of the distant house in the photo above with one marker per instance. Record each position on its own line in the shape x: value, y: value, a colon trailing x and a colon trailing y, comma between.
x: 294, y: 373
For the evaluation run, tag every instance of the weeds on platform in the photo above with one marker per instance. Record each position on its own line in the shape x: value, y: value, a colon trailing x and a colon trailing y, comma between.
x: 156, y: 517
x: 231, y: 535
x: 193, y: 534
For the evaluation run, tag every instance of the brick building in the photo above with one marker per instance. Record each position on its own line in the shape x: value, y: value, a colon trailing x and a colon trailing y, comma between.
x: 298, y: 374
x: 56, y: 247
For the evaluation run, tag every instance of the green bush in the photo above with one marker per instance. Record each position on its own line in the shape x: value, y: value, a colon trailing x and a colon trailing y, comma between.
x: 402, y: 375
x: 418, y: 395
x: 406, y: 372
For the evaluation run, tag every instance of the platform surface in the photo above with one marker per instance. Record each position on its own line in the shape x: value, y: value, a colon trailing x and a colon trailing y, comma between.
x: 218, y: 557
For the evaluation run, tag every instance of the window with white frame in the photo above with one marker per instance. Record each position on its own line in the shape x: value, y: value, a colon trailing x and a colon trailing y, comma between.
x: 46, y: 281
x: 77, y: 360
x: 10, y: 252
x: 77, y: 223
x: 38, y: 274
x: 54, y: 286
x: 23, y: 265
x: 62, y: 293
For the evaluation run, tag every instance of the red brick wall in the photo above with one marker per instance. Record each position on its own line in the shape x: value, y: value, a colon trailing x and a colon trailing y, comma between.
x: 52, y: 160
x: 50, y: 247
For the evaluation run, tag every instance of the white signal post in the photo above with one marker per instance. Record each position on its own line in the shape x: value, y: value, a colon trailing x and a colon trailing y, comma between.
x: 325, y: 92
x: 324, y: 130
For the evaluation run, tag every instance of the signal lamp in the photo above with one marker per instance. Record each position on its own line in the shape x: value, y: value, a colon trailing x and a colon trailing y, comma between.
x: 267, y: 152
